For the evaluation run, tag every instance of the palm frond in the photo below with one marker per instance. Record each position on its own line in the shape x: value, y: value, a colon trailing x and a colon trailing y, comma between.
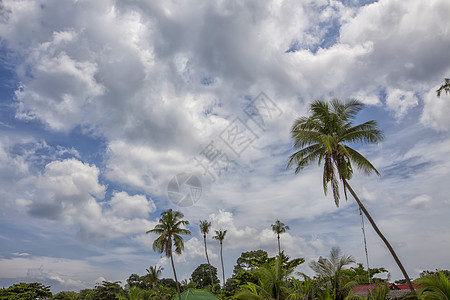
x: 362, y: 163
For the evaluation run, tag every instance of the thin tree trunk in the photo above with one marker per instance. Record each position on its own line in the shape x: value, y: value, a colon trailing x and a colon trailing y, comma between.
x: 223, y: 270
x: 279, y: 247
x: 207, y: 259
x: 375, y: 227
x: 175, y: 275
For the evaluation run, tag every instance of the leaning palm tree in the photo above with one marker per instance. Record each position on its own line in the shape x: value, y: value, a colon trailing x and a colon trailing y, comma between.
x: 204, y: 228
x: 324, y: 137
x: 170, y: 230
x: 220, y: 236
x: 279, y: 228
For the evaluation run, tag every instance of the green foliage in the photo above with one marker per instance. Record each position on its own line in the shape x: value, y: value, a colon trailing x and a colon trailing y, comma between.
x: 108, y: 291
x: 249, y: 261
x: 142, y: 282
x: 26, y: 291
x: 301, y: 289
x: 273, y: 279
x: 436, y: 286
x: 201, y: 276
x: 435, y: 273
x: 168, y: 282
x: 330, y: 272
x: 360, y: 275
x: 67, y: 295
x: 87, y: 294
x: 153, y: 274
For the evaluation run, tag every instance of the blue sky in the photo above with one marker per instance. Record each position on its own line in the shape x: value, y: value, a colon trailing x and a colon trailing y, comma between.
x: 103, y: 103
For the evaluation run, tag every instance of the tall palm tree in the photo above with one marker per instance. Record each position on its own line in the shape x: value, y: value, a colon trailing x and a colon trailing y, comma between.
x: 329, y: 270
x: 204, y: 228
x: 169, y: 229
x: 324, y: 137
x: 153, y: 274
x: 279, y: 228
x: 220, y: 236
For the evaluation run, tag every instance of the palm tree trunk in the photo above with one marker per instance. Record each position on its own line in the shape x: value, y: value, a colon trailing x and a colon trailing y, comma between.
x: 279, y: 247
x: 207, y: 259
x: 175, y: 275
x: 223, y: 270
x: 375, y: 227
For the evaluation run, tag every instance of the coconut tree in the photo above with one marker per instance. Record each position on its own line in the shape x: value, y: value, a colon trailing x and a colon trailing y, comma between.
x: 204, y: 229
x: 170, y: 230
x: 324, y: 137
x: 279, y: 228
x: 153, y: 273
x: 220, y: 236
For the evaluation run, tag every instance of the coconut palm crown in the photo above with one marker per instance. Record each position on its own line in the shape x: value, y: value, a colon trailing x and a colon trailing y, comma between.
x: 325, y: 135
x: 205, y: 226
x: 279, y: 228
x: 170, y: 228
x: 220, y: 236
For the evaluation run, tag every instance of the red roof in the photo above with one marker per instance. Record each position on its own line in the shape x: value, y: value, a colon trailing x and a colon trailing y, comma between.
x: 392, y: 286
x: 406, y: 287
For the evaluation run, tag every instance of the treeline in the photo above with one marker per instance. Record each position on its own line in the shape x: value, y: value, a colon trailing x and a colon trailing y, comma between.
x: 255, y: 276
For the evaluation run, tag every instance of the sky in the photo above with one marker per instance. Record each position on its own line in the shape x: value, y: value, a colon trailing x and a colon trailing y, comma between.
x: 107, y: 107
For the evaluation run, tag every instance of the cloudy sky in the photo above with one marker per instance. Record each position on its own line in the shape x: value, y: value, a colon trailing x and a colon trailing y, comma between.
x: 104, y: 102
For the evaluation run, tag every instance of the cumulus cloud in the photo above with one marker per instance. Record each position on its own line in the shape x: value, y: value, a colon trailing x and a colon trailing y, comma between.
x: 158, y: 81
x: 420, y: 202
x: 400, y: 101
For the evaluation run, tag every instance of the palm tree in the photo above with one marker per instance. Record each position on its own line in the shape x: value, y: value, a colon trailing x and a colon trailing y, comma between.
x: 324, y: 137
x: 434, y: 287
x: 153, y: 274
x: 170, y: 230
x: 279, y: 228
x: 445, y: 87
x: 220, y: 236
x: 204, y: 228
x: 329, y: 270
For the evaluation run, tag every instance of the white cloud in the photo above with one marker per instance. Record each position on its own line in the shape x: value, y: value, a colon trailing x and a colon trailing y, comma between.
x: 126, y: 206
x: 420, y: 202
x: 436, y: 110
x: 400, y: 101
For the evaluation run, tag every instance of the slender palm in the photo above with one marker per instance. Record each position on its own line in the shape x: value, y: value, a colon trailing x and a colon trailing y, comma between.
x: 220, y: 236
x: 170, y: 230
x: 279, y: 228
x: 324, y: 137
x: 204, y: 228
x: 153, y: 274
